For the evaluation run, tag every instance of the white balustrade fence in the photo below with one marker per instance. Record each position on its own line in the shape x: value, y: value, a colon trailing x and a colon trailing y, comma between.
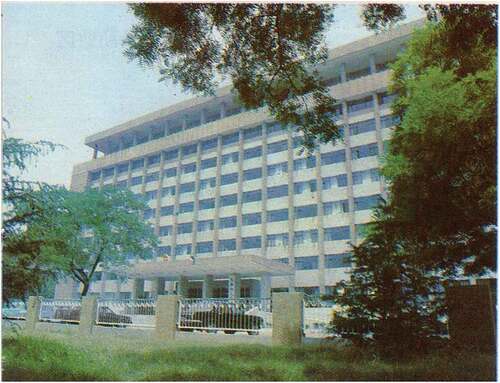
x: 60, y: 310
x: 318, y: 315
x: 251, y: 315
x: 126, y: 312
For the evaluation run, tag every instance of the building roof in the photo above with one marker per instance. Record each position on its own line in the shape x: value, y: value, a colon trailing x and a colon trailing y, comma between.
x: 197, y: 268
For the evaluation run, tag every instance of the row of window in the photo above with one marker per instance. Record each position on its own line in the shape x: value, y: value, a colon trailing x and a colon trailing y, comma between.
x: 332, y: 261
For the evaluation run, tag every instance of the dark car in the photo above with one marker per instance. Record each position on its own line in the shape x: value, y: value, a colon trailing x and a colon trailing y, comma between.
x: 105, y: 315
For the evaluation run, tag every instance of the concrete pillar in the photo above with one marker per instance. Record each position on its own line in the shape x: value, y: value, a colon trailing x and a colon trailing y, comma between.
x: 166, y: 316
x: 170, y: 287
x: 203, y: 116
x: 94, y: 156
x: 33, y: 314
x: 373, y: 66
x: 288, y: 318
x: 208, y: 286
x: 343, y: 73
x: 182, y: 287
x: 88, y: 314
x: 157, y: 287
x: 265, y: 286
x: 234, y: 286
x: 104, y: 278
x: 138, y: 288
x: 184, y: 122
x: 222, y: 109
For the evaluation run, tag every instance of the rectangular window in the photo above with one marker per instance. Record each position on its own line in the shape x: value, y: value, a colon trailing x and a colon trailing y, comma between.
x: 172, y: 129
x: 184, y: 228
x: 189, y: 150
x: 229, y: 200
x: 361, y: 104
x: 277, y: 240
x: 357, y: 73
x: 208, y: 183
x: 337, y: 233
x: 304, y: 187
x: 361, y: 230
x: 304, y: 163
x: 366, y: 203
x: 252, y: 196
x: 306, y: 263
x: 138, y: 164
x: 204, y: 247
x: 386, y: 98
x: 94, y: 176
x: 230, y: 158
x: 183, y: 249
x: 335, y: 261
x: 153, y: 177
x: 252, y: 153
x: 149, y: 213
x: 251, y: 242
x: 331, y: 81
x: 154, y: 159
x: 374, y: 175
x: 357, y: 177
x: 164, y: 250
x: 209, y: 163
x: 168, y: 173
x: 171, y: 155
x: 336, y: 207
x: 207, y: 204
x: 230, y: 139
x: 277, y: 215
x: 341, y: 180
x: 151, y: 195
x: 227, y: 245
x: 186, y: 188
x: 187, y: 207
x: 168, y: 191
x: 165, y: 231
x: 277, y: 147
x: 389, y: 121
x: 362, y: 127
x: 227, y: 222
x: 108, y: 172
x: 277, y: 191
x: 207, y: 225
x: 306, y: 211
x: 251, y: 133
x: 277, y: 169
x: 209, y: 145
x: 136, y: 181
x: 122, y: 168
x: 227, y: 179
x: 364, y: 151
x: 252, y: 174
x: 167, y: 210
x: 333, y: 157
x: 189, y: 168
x: 252, y: 219
x: 275, y: 128
x: 305, y: 237
x: 157, y: 132
x: 121, y: 184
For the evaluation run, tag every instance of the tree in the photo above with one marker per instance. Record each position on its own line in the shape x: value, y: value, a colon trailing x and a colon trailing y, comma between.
x: 95, y: 228
x: 439, y: 221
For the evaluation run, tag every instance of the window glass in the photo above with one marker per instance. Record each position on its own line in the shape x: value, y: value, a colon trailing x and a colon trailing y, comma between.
x: 335, y: 261
x: 304, y: 163
x: 227, y: 244
x: 186, y: 188
x: 209, y: 145
x: 277, y: 191
x: 153, y: 177
x: 172, y: 172
x: 207, y: 203
x: 357, y: 74
x: 366, y: 203
x: 184, y: 228
x: 189, y: 150
x: 389, y: 121
x: 276, y: 147
x: 207, y: 225
x: 248, y: 134
x: 275, y: 128
x: 121, y: 184
x: 336, y: 207
x: 230, y: 158
x: 304, y: 187
x: 157, y: 132
x: 252, y: 174
x: 151, y: 195
x: 252, y: 196
x: 306, y: 211
x: 204, y: 247
x: 306, y: 263
x: 108, y: 172
x: 209, y: 163
x: 122, y: 168
x: 251, y: 242
x: 136, y: 181
x: 94, y: 176
x: 305, y: 237
x: 374, y: 175
x: 229, y: 200
x: 361, y: 104
x: 154, y: 159
x: 230, y: 139
x: 174, y: 127
x: 362, y: 127
x: 364, y: 151
x: 165, y: 231
x: 164, y: 250
x: 227, y: 179
x: 171, y: 154
x: 277, y: 169
x: 336, y: 233
x: 187, y: 207
x: 277, y: 215
x: 183, y: 249
x: 189, y: 168
x: 137, y: 164
x: 149, y: 213
x: 252, y: 153
x: 168, y: 191
x: 207, y: 183
x: 277, y: 240
x: 167, y: 210
x: 333, y: 157
x: 252, y: 219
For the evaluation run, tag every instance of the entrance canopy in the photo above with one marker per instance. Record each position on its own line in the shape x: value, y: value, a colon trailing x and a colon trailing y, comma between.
x: 197, y: 268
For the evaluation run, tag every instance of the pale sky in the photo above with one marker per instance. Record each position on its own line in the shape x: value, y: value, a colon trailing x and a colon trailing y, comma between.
x: 64, y: 76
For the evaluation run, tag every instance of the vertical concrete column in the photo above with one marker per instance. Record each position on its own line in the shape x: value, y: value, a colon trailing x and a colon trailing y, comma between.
x: 176, y: 204
x: 203, y: 116
x: 182, y: 287
x: 196, y: 199
x: 158, y: 197
x: 129, y: 174
x: 264, y: 193
x: 223, y: 109
x: 373, y: 66
x: 288, y: 318
x: 343, y: 73
x: 348, y: 166
x: 208, y: 286
x: 291, y: 212
x: 265, y: 286
x: 115, y: 174
x: 166, y: 316
x: 104, y: 278
x: 320, y: 224
x: 234, y: 286
x: 184, y: 123
x: 217, y: 196
x: 240, y: 193
x: 101, y: 179
x: 33, y: 313
x: 94, y: 155
x: 137, y: 288
x: 88, y: 314
x: 118, y: 286
x: 157, y: 287
x: 380, y: 141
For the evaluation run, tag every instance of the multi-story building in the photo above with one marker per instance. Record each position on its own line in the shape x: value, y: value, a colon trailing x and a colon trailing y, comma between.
x: 223, y: 182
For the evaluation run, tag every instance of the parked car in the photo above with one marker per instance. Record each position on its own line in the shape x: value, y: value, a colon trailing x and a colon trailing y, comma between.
x: 14, y: 310
x: 105, y: 314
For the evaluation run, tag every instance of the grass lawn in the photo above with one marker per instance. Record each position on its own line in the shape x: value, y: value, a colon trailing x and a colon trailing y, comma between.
x: 66, y: 356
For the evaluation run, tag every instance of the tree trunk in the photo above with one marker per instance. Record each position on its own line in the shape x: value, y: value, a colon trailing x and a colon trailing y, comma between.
x: 86, y: 286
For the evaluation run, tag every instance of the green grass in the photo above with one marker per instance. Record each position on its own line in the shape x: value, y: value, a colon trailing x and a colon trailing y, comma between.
x: 66, y: 356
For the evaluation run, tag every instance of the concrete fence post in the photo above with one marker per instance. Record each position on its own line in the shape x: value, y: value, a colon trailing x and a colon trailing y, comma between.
x: 88, y: 315
x: 288, y: 318
x: 166, y: 316
x: 33, y: 313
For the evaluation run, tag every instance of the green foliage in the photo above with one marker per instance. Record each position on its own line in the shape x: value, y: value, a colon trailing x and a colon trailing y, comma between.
x: 268, y: 51
x: 379, y: 17
x: 108, y: 357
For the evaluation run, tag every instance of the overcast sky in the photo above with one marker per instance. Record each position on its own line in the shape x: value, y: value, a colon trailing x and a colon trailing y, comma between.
x: 64, y: 75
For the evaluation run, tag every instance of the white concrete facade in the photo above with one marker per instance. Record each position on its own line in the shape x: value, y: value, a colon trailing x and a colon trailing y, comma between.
x: 222, y: 181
